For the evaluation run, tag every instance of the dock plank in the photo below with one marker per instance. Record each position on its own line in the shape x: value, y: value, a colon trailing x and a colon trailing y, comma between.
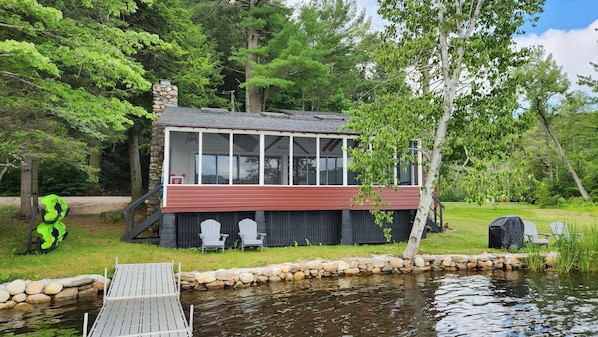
x: 143, y: 300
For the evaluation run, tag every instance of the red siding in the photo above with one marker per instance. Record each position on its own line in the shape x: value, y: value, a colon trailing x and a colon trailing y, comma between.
x: 226, y: 198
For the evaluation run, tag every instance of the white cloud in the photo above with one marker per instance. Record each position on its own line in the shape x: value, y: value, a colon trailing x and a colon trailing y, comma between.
x: 572, y: 49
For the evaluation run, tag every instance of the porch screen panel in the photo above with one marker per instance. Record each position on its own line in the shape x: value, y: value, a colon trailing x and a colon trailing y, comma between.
x: 407, y: 171
x: 304, y: 160
x: 331, y: 161
x: 404, y: 173
x: 215, y: 159
x: 183, y: 146
x: 351, y: 180
x: 246, y: 159
x: 276, y: 151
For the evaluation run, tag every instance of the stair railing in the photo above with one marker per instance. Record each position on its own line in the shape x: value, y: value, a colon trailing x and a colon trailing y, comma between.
x: 129, y: 213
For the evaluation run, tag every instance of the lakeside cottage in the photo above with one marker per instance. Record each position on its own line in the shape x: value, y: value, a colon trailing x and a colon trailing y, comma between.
x: 286, y: 170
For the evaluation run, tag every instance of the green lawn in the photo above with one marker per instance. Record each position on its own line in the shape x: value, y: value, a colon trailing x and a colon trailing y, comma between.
x: 88, y: 250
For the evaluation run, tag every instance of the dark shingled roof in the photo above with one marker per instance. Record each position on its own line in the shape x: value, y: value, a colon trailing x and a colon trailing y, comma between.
x: 285, y: 120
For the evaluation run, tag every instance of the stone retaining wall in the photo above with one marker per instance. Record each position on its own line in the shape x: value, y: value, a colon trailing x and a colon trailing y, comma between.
x: 21, y: 295
x: 24, y: 295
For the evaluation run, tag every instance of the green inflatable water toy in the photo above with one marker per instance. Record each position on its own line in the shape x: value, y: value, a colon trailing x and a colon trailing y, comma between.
x: 52, y: 231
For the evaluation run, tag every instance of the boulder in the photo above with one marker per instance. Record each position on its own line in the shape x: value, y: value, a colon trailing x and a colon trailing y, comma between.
x: 19, y: 297
x: 80, y: 282
x: 8, y: 305
x: 217, y: 284
x: 246, y: 277
x: 330, y: 266
x: 396, y: 263
x: 342, y: 266
x: 206, y: 277
x: 224, y: 275
x: 67, y: 294
x: 53, y: 288
x: 38, y: 298
x: 298, y: 276
x: 35, y: 287
x: 4, y: 296
x: 89, y: 292
x: 352, y: 271
x: 16, y: 287
x: 23, y: 306
x: 99, y: 283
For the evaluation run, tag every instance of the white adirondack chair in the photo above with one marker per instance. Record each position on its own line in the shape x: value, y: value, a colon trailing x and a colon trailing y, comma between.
x: 249, y: 235
x: 210, y: 235
x: 531, y: 235
x: 560, y: 232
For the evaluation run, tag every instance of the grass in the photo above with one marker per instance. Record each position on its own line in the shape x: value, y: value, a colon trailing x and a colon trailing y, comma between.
x: 90, y: 249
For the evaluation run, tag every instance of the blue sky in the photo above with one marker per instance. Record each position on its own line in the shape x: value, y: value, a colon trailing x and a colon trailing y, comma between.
x: 566, y: 29
x: 566, y: 15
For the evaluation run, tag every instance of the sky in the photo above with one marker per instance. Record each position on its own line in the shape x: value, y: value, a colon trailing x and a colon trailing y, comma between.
x: 566, y: 29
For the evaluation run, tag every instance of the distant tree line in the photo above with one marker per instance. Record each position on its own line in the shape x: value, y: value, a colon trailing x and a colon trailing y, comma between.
x: 75, y: 95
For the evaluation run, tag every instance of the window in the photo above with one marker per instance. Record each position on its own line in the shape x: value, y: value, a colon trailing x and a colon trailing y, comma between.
x: 304, y: 160
x: 351, y: 175
x: 331, y: 171
x: 183, y: 145
x: 276, y: 149
x: 331, y: 161
x: 214, y: 169
x: 246, y: 169
x: 273, y: 171
x: 234, y: 158
x: 406, y: 171
x: 246, y: 160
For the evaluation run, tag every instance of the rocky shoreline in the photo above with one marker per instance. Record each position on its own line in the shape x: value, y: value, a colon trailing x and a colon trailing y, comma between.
x: 24, y: 295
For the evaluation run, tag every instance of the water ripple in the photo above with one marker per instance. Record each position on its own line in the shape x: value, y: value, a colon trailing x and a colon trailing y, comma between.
x: 501, y: 304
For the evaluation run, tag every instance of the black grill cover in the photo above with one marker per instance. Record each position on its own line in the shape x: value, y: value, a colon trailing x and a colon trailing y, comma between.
x: 505, y: 232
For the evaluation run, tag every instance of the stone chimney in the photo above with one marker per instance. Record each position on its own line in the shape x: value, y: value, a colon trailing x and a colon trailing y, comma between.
x: 164, y: 94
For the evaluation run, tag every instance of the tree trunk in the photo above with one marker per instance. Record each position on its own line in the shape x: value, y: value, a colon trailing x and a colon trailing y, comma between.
x: 135, y: 165
x: 26, y: 187
x: 95, y: 161
x: 35, y: 182
x: 427, y: 191
x: 251, y: 92
x: 450, y: 79
x: 561, y: 152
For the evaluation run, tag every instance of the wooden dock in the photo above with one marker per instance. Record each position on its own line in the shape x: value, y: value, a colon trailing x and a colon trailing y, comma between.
x: 143, y: 300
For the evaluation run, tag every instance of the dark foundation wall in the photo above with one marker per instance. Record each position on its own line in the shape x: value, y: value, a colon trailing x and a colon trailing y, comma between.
x: 303, y: 228
x: 365, y: 230
x: 289, y: 228
x: 188, y: 227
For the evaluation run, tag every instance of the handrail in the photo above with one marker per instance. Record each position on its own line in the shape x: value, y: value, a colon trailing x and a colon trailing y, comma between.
x: 129, y: 211
x: 143, y: 198
x: 436, y: 213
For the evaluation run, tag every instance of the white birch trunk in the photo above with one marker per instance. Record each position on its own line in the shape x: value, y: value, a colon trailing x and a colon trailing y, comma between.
x: 450, y: 79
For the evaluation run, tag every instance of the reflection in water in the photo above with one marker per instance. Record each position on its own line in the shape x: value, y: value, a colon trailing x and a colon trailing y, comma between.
x: 357, y: 306
x: 63, y: 319
x: 429, y: 304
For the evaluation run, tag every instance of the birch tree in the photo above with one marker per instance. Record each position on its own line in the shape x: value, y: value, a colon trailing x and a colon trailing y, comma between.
x: 451, y: 60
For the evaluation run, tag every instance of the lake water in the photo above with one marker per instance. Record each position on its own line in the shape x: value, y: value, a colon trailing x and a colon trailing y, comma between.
x: 429, y: 304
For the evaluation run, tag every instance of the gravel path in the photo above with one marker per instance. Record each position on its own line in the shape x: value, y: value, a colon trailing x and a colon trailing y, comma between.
x: 83, y: 205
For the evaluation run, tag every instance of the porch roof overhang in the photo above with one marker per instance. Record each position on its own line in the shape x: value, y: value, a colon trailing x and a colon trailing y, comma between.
x: 283, y: 121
